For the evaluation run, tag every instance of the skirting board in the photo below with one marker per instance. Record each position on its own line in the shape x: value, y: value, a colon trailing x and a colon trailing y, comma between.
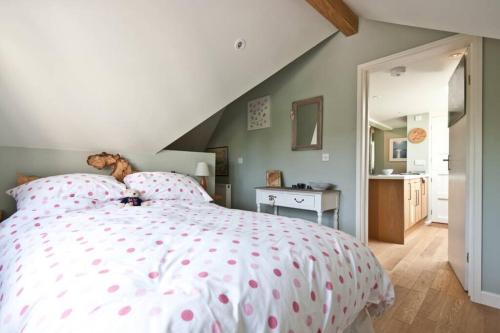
x: 490, y: 299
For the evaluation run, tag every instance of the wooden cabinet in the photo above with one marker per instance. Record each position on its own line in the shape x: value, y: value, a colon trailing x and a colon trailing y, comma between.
x: 424, y: 186
x: 396, y: 205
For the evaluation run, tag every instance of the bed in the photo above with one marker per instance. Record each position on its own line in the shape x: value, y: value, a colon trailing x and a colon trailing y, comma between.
x: 178, y: 265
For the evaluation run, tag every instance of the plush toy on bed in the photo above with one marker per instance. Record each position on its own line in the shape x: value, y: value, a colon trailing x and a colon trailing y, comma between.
x: 132, y: 198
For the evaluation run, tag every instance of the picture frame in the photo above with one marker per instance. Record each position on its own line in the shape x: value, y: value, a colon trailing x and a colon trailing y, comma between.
x: 273, y: 178
x: 398, y: 149
x: 221, y: 160
x: 259, y: 113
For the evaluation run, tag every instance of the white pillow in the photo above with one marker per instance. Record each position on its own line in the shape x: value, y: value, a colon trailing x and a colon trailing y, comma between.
x: 67, y: 192
x: 166, y: 186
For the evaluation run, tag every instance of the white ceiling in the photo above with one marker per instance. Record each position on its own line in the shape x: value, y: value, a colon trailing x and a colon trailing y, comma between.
x: 423, y: 88
x: 128, y: 75
x: 473, y: 17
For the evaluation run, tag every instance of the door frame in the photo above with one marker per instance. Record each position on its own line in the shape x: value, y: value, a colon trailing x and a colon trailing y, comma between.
x: 474, y: 150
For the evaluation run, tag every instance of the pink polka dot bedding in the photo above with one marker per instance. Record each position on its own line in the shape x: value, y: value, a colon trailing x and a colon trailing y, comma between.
x: 64, y: 193
x: 166, y: 186
x: 182, y: 266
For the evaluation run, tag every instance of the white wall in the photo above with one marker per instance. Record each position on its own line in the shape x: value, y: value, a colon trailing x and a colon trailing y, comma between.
x: 133, y: 76
x: 418, y: 153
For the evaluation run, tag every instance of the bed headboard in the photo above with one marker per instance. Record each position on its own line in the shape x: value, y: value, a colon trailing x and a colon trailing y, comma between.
x: 49, y: 162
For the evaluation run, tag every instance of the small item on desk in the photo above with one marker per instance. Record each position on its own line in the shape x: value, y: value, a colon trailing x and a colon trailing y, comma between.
x: 318, y: 186
x: 301, y: 186
x: 273, y: 178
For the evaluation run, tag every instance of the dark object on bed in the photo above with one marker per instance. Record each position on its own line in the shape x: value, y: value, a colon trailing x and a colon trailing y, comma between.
x: 131, y: 201
x: 132, y: 198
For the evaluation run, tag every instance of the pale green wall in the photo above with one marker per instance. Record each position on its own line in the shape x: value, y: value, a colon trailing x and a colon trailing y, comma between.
x: 381, y: 139
x: 491, y: 166
x: 47, y: 162
x: 329, y: 70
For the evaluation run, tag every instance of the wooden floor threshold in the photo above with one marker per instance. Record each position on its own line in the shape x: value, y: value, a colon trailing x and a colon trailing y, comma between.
x: 429, y: 297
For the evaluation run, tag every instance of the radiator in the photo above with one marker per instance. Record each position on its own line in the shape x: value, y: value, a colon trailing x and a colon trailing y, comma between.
x: 223, y: 195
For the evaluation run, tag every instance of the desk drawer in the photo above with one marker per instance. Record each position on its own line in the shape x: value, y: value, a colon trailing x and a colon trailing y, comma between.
x: 301, y: 201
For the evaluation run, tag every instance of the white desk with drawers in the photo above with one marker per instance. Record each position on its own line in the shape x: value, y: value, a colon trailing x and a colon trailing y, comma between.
x: 318, y: 201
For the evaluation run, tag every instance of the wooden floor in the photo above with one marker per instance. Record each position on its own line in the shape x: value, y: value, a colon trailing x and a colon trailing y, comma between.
x: 429, y: 297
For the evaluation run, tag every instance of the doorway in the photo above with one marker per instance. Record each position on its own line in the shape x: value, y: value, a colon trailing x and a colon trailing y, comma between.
x: 468, y: 237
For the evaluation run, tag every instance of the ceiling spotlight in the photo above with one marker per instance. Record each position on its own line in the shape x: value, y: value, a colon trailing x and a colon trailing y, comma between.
x: 398, y: 71
x: 456, y: 55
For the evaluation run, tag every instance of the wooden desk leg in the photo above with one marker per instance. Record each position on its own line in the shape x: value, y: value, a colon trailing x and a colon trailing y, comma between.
x: 258, y: 207
x: 336, y: 219
x: 275, y: 210
x: 320, y: 217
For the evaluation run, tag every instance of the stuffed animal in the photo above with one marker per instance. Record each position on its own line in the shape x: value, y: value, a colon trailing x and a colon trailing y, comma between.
x: 132, y: 198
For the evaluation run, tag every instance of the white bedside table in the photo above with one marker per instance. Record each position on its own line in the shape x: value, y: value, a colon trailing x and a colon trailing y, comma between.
x: 318, y: 201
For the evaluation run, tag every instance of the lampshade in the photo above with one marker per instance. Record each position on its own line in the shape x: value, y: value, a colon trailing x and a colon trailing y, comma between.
x: 202, y: 169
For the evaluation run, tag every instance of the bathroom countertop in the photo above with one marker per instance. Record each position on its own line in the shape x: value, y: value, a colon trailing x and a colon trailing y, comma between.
x: 397, y: 177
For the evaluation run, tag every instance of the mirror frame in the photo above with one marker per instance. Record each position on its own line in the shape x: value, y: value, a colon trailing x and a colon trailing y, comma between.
x: 319, y: 114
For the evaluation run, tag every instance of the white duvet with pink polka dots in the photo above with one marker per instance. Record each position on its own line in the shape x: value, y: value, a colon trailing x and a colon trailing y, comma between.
x: 176, y: 266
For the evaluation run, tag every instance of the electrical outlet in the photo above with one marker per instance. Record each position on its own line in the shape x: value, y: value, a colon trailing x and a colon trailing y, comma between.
x: 240, y: 160
x: 325, y: 157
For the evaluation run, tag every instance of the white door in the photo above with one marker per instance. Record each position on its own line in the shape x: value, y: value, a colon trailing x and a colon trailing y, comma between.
x: 439, y: 168
x: 457, y: 253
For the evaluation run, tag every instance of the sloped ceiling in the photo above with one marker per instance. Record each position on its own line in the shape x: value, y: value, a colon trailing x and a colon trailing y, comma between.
x: 131, y: 75
x: 198, y: 138
x: 473, y: 17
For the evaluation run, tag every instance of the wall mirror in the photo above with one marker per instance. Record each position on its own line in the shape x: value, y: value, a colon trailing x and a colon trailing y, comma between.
x: 307, y: 124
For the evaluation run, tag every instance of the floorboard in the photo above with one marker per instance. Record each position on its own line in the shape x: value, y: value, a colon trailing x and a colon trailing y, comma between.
x: 429, y: 297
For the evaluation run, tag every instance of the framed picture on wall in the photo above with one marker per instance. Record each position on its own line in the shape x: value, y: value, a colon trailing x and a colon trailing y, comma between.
x: 221, y: 160
x: 398, y: 149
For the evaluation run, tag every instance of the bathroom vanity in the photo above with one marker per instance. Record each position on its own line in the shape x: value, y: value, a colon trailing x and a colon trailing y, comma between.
x: 396, y: 204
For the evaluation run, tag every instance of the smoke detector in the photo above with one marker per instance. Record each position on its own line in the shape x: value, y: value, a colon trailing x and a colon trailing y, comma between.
x: 398, y: 71
x: 240, y: 44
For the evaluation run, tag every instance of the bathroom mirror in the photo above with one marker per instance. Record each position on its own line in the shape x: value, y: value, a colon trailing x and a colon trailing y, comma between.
x: 307, y: 124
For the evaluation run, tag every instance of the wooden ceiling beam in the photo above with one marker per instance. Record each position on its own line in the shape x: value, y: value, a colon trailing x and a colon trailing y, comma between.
x: 338, y: 13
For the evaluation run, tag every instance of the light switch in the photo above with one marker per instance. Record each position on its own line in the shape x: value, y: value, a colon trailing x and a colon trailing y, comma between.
x: 240, y: 160
x: 325, y: 157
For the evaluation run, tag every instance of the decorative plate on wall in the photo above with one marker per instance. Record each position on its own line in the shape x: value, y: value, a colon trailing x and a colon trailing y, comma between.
x: 417, y: 135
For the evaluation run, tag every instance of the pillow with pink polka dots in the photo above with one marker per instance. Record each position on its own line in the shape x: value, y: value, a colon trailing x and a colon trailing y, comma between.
x: 67, y: 192
x: 166, y: 186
